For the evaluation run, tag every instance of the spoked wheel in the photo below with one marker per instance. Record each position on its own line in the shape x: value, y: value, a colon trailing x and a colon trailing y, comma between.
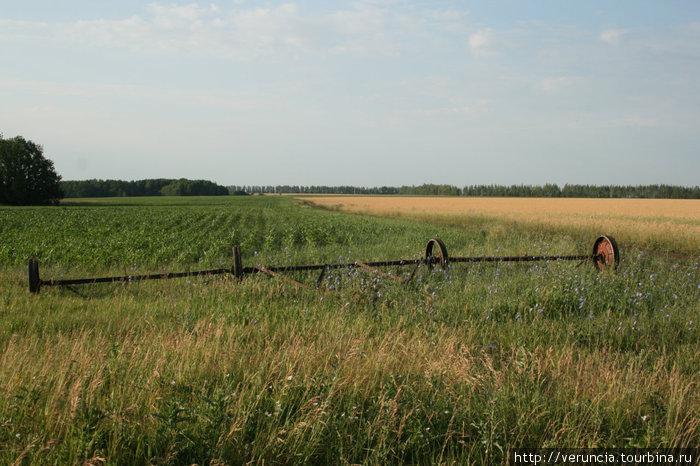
x: 606, y: 255
x: 441, y: 253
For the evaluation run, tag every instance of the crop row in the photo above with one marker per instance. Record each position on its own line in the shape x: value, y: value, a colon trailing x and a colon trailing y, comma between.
x: 149, y: 235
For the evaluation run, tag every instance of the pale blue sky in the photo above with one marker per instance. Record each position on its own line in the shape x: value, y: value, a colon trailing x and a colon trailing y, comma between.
x: 363, y: 93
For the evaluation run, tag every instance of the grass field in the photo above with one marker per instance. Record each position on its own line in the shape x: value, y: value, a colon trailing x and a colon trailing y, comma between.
x: 459, y: 366
x: 669, y: 225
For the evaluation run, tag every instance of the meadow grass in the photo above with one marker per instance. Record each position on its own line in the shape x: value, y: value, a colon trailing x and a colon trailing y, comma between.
x: 458, y: 366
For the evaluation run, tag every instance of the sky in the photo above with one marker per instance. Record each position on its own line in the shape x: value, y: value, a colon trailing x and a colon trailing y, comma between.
x: 364, y: 93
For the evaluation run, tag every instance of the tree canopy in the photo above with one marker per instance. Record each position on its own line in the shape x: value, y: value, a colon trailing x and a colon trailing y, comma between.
x: 148, y: 187
x: 26, y: 176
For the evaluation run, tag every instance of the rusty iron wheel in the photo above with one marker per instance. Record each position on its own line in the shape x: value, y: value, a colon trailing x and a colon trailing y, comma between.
x: 606, y: 254
x: 442, y: 250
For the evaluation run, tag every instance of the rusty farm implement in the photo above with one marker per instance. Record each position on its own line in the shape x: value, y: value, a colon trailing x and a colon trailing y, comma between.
x: 604, y: 256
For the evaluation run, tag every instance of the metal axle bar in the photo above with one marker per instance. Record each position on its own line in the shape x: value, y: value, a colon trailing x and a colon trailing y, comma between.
x: 128, y: 278
x: 523, y: 258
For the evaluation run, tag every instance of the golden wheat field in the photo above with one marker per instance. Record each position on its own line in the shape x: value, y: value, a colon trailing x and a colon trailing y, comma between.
x: 671, y: 225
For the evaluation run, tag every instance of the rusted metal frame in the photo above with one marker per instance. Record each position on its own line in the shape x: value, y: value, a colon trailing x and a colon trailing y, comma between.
x: 413, y: 272
x: 320, y: 277
x: 521, y: 258
x: 368, y: 265
x: 323, y: 267
x: 275, y: 271
x: 605, y: 254
x: 265, y: 270
x: 127, y: 278
x: 294, y: 268
x: 378, y: 272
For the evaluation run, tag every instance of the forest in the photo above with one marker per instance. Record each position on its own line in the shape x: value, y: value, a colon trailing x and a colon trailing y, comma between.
x: 149, y: 187
x: 655, y: 191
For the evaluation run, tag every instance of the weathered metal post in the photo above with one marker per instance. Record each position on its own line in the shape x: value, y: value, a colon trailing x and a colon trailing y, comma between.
x: 34, y: 281
x: 237, y: 263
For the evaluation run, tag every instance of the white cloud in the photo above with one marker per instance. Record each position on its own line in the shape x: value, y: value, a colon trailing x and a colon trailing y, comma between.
x: 361, y: 31
x: 612, y: 36
x: 481, y: 42
x: 236, y: 32
x: 446, y: 15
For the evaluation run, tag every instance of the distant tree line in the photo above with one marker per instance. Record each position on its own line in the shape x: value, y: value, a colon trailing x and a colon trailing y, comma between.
x: 151, y: 187
x: 431, y: 190
x: 655, y: 191
x: 287, y: 189
x: 184, y: 187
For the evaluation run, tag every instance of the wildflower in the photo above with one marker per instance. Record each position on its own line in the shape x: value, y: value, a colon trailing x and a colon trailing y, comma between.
x: 290, y: 377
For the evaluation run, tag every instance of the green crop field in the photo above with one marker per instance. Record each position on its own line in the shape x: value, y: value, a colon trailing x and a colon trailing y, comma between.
x: 459, y: 366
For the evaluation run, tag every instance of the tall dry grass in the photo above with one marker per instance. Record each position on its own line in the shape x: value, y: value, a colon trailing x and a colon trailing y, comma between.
x: 664, y: 224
